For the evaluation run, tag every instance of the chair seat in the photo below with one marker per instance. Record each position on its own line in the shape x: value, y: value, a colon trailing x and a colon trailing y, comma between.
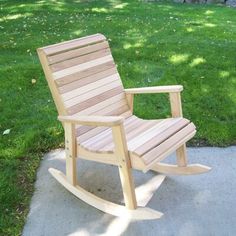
x: 146, y: 139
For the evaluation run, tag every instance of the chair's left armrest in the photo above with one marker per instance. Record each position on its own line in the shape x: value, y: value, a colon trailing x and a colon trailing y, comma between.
x: 108, y: 121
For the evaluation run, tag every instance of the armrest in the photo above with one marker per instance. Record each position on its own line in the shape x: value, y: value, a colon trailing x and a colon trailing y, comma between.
x: 93, y: 120
x: 155, y: 89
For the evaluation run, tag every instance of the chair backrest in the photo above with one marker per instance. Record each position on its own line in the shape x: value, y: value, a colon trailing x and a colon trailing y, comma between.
x: 83, y: 78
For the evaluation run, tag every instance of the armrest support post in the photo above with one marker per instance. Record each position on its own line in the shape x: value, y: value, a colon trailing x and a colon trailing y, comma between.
x: 175, y: 103
x: 130, y: 100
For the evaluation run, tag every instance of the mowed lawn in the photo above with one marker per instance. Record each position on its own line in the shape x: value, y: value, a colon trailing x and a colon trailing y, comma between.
x: 153, y: 43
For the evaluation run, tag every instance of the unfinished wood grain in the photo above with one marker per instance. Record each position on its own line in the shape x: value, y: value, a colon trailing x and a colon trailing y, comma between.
x: 106, y: 158
x: 176, y: 106
x: 94, y: 100
x: 169, y: 169
x: 84, y: 133
x: 80, y: 67
x: 155, y: 89
x: 77, y: 52
x: 104, y: 138
x: 134, y: 132
x: 86, y: 89
x: 80, y: 60
x: 171, y: 149
x: 93, y: 93
x: 130, y: 100
x: 86, y: 80
x: 99, y: 106
x: 84, y: 73
x: 49, y: 77
x: 122, y: 156
x: 107, y: 121
x: 164, y: 146
x: 72, y: 44
x: 192, y: 169
x: 162, y: 133
x: 71, y: 152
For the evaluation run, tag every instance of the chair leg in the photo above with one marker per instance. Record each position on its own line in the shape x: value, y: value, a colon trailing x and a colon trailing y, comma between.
x: 70, y: 145
x: 181, y: 156
x: 128, y: 187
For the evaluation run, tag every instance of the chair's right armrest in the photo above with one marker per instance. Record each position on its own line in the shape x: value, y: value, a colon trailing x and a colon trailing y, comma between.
x: 155, y: 89
x: 107, y: 121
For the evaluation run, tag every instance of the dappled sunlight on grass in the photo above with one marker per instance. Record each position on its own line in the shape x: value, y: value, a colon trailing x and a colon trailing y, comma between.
x: 197, y: 61
x: 100, y: 10
x: 178, y: 58
x: 14, y: 17
x: 77, y: 32
x: 121, y: 5
x: 224, y: 74
x: 190, y: 29
x: 209, y: 12
x: 211, y: 25
x: 135, y: 45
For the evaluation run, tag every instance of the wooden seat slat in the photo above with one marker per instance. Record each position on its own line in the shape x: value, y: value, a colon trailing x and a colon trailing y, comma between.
x: 162, y: 134
x: 105, y: 137
x: 164, y: 146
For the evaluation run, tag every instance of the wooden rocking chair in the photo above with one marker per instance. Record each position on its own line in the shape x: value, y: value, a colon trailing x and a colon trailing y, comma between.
x: 97, y: 115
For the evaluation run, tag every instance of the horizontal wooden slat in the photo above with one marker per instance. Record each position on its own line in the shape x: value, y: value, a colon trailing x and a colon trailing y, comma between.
x: 77, y: 52
x: 84, y: 134
x: 89, y: 87
x: 105, y: 138
x: 105, y: 103
x: 68, y: 45
x: 81, y: 67
x: 80, y: 60
x: 157, y: 136
x: 93, y: 93
x: 170, y: 150
x: 82, y: 74
x: 118, y: 112
x: 104, y: 141
x: 134, y: 131
x: 146, y: 135
x: 86, y: 80
x: 164, y: 146
x: 94, y: 100
x: 130, y: 131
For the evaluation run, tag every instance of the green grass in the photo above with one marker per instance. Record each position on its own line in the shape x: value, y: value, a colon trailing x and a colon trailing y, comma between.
x: 153, y: 43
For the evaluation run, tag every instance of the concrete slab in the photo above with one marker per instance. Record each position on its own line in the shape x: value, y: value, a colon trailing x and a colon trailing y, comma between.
x: 192, y: 205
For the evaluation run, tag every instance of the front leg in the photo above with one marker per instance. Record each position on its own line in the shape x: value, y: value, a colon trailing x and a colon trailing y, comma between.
x: 70, y: 146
